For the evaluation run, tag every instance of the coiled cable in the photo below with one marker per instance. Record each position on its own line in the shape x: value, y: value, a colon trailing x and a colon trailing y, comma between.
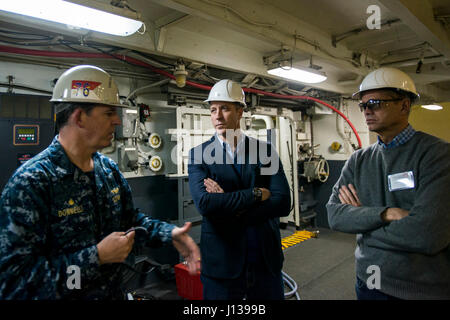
x: 292, y: 285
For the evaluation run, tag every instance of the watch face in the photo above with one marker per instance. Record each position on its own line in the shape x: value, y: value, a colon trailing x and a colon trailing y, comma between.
x: 257, y: 193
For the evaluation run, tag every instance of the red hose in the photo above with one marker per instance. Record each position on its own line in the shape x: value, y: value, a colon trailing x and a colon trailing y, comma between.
x: 134, y: 61
x: 283, y: 96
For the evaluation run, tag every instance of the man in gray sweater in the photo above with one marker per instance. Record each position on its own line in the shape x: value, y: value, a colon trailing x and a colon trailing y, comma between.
x: 395, y: 195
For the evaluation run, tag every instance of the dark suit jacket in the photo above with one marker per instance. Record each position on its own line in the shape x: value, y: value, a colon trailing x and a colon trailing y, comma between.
x: 226, y: 216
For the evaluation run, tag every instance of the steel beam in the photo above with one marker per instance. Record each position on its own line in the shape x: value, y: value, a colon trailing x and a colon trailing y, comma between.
x: 419, y: 16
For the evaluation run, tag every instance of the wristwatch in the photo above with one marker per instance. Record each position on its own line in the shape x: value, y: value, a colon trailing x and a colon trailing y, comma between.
x: 257, y: 194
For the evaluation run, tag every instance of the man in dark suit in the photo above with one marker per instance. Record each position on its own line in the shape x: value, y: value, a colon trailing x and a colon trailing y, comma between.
x: 239, y: 187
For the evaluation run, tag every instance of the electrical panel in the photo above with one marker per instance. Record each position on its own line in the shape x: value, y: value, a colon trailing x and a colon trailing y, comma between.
x: 26, y: 134
x: 128, y: 158
x: 130, y: 123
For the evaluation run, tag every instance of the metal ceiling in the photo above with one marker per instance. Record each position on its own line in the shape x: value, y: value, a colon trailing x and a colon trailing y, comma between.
x: 234, y: 36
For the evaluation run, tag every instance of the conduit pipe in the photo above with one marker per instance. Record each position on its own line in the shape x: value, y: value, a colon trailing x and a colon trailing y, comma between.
x: 267, y: 120
x: 283, y: 96
x: 77, y: 55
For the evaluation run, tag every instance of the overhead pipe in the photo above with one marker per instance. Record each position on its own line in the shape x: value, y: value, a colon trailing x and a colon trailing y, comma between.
x: 137, y: 62
x: 413, y: 61
x: 24, y: 87
x: 267, y: 120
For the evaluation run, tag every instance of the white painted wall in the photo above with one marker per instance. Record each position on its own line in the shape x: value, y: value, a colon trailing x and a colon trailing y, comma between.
x: 42, y: 77
x: 30, y: 75
x: 326, y: 130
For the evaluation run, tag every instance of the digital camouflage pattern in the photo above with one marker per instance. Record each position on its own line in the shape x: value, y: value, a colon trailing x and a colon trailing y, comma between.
x: 50, y: 219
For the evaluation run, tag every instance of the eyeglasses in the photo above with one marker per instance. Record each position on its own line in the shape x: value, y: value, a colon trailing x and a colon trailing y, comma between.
x: 374, y: 105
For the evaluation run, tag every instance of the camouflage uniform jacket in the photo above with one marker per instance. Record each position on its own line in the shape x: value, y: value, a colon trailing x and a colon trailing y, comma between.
x: 50, y: 219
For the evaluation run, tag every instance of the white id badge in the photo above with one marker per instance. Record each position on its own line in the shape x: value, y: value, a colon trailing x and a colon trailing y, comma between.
x: 401, y: 181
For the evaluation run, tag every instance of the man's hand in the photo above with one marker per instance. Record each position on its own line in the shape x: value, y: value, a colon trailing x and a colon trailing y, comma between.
x: 392, y: 214
x: 265, y: 194
x: 348, y: 195
x: 187, y: 247
x: 115, y: 247
x: 212, y: 186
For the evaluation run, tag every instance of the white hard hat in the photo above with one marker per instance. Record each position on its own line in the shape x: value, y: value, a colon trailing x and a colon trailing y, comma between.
x: 387, y: 78
x: 87, y: 84
x: 227, y: 90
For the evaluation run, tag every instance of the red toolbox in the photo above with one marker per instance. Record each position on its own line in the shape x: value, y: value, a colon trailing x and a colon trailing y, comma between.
x: 188, y: 286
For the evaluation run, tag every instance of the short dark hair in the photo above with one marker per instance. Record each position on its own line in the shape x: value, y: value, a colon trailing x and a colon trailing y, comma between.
x: 401, y: 94
x: 63, y: 111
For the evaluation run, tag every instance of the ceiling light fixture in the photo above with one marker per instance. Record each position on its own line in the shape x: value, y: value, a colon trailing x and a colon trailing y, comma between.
x: 285, y: 69
x: 280, y: 64
x: 433, y: 107
x: 299, y: 74
x: 74, y: 15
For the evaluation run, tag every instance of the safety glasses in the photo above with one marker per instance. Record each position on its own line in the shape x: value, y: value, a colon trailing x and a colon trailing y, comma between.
x: 374, y: 105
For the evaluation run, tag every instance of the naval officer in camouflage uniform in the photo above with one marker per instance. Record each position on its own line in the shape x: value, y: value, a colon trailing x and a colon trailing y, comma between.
x: 66, y: 209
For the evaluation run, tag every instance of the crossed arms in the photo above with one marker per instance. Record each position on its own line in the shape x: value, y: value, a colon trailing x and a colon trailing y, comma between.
x: 424, y: 228
x: 213, y: 202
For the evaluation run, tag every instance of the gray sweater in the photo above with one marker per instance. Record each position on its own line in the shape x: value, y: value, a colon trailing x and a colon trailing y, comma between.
x: 413, y: 253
